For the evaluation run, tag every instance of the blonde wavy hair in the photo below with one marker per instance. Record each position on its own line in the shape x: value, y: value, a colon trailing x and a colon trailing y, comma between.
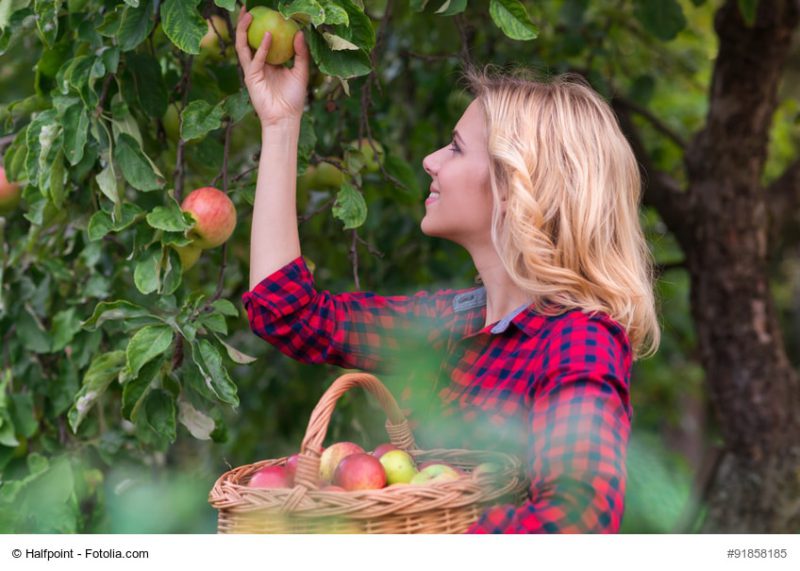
x: 570, y: 235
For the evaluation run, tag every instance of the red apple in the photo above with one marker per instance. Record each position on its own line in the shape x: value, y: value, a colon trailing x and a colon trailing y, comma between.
x: 214, y: 214
x: 291, y: 466
x: 270, y: 477
x: 334, y: 454
x: 360, y: 472
x: 382, y: 449
x: 10, y: 193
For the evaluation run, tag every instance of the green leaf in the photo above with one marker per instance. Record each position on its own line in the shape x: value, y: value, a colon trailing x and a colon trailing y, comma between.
x: 170, y: 218
x: 183, y: 24
x: 147, y: 344
x: 104, y: 369
x: 238, y: 105
x: 225, y: 307
x: 236, y: 355
x: 213, y: 372
x: 173, y: 273
x: 135, y: 390
x: 135, y: 24
x: 146, y: 274
x: 310, y: 8
x: 664, y: 19
x: 350, y: 207
x: 214, y: 322
x: 198, y: 118
x: 341, y: 63
x: 136, y: 168
x: 512, y: 18
x: 102, y: 222
x: 113, y: 310
x: 31, y: 333
x: 22, y: 414
x: 145, y: 72
x: 108, y: 183
x: 76, y: 129
x: 47, y: 20
x: 65, y: 326
x: 452, y: 7
x: 334, y: 14
x: 160, y: 407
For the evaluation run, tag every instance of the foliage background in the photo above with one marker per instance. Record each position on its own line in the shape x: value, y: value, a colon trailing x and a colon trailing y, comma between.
x: 68, y: 467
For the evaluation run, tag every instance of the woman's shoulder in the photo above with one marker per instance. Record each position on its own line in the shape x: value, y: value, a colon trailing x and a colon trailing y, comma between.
x: 576, y: 327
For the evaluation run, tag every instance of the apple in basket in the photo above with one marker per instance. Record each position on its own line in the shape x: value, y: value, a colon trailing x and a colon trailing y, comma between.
x: 437, y: 463
x: 334, y: 454
x: 360, y: 472
x: 382, y: 449
x: 332, y: 488
x: 399, y: 466
x: 435, y: 473
x: 488, y: 468
x: 291, y: 466
x: 270, y: 477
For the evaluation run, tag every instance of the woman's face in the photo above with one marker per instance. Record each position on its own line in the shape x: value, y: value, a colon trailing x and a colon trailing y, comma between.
x: 459, y: 171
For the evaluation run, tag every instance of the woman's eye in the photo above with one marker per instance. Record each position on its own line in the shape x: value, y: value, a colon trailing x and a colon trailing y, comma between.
x: 454, y: 148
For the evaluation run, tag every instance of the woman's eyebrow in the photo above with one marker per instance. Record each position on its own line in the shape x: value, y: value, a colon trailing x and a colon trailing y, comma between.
x: 457, y: 136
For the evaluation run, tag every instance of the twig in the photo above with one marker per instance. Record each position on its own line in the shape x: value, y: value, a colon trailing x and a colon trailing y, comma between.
x: 183, y: 88
x: 354, y: 258
x: 305, y: 218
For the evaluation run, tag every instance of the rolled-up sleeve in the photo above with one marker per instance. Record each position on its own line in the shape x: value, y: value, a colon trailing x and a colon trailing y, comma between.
x: 579, y: 421
x: 356, y: 330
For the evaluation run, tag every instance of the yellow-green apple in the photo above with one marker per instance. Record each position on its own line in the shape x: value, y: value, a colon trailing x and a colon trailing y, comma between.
x: 435, y: 473
x: 437, y: 462
x: 270, y: 477
x: 188, y: 254
x: 371, y: 164
x: 307, y: 180
x: 360, y: 471
x: 214, y: 214
x: 327, y: 175
x: 399, y: 466
x: 209, y: 45
x: 486, y: 468
x: 382, y: 449
x: 281, y: 48
x: 172, y: 123
x: 10, y: 193
x: 334, y: 454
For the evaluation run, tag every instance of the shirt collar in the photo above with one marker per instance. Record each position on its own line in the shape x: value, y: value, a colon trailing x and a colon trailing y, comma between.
x: 476, y: 298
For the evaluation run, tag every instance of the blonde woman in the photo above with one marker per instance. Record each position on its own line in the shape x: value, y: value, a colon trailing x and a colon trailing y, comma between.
x: 541, y: 188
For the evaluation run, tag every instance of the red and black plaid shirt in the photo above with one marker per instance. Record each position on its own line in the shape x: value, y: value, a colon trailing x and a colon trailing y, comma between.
x: 554, y: 390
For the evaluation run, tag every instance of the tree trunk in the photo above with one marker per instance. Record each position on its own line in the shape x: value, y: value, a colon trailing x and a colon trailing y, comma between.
x: 754, y: 388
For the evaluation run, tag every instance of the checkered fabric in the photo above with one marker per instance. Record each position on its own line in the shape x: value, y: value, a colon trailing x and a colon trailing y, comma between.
x: 552, y: 389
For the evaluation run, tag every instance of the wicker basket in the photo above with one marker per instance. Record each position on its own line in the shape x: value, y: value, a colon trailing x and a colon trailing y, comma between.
x: 441, y: 507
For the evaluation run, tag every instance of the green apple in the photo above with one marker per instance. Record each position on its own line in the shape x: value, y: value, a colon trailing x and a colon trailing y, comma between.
x: 327, y: 175
x: 172, y: 123
x: 209, y: 45
x: 307, y: 180
x: 189, y: 255
x: 282, y: 30
x: 371, y: 164
x: 399, y: 466
x: 435, y: 473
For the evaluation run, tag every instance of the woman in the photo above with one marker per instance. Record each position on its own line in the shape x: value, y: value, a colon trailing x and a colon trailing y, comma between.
x: 542, y: 189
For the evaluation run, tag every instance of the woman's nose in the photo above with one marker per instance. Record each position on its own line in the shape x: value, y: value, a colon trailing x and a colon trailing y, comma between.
x: 428, y: 164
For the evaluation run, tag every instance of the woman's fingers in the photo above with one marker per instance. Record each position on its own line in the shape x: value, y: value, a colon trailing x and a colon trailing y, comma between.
x: 301, y: 55
x: 261, y: 53
x: 241, y: 39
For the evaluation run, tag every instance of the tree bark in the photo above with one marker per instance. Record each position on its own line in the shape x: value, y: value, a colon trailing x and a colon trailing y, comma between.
x: 754, y: 388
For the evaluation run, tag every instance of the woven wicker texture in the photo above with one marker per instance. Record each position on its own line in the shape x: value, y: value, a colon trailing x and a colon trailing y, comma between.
x: 441, y: 507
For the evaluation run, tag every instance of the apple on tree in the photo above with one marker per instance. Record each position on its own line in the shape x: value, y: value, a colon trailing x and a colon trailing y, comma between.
x: 188, y: 254
x: 282, y: 30
x: 214, y: 215
x: 209, y: 45
x: 172, y: 123
x: 371, y: 163
x: 327, y: 175
x: 10, y: 193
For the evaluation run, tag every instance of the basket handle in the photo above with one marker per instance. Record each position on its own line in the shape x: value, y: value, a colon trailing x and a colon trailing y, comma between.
x: 307, y: 474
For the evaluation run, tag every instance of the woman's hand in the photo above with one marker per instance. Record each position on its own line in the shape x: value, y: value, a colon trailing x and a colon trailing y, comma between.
x: 276, y: 92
